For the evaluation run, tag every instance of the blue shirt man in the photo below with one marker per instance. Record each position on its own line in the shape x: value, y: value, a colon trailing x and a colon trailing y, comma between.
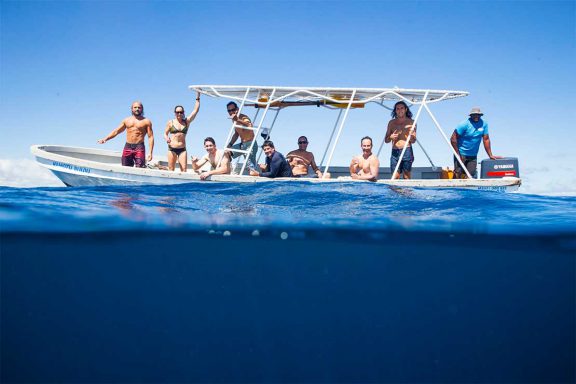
x: 276, y: 165
x: 466, y: 142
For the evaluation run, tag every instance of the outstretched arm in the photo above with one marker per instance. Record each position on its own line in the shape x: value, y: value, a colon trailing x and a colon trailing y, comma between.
x: 192, y: 116
x: 121, y: 128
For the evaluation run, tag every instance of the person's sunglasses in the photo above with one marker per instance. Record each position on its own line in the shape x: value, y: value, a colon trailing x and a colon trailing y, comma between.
x: 231, y: 110
x: 302, y: 142
x: 180, y: 112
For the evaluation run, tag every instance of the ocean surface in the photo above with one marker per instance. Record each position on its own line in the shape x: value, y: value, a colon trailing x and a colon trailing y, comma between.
x: 286, y: 283
x: 223, y: 206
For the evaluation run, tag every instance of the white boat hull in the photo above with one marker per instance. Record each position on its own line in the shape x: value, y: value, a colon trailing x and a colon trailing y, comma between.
x: 78, y: 167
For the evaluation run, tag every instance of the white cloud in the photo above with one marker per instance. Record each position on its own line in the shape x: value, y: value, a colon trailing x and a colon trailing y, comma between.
x: 560, y: 180
x: 551, y: 173
x: 26, y: 173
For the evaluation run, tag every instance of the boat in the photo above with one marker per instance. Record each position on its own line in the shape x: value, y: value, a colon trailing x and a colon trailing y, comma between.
x: 76, y: 166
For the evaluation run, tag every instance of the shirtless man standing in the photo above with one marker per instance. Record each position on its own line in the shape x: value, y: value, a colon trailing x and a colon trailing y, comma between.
x: 136, y: 127
x: 365, y: 166
x: 214, y: 156
x: 400, y: 129
x: 300, y: 159
x: 246, y: 135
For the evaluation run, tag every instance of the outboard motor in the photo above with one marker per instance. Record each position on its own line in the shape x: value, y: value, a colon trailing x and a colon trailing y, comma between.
x: 494, y: 169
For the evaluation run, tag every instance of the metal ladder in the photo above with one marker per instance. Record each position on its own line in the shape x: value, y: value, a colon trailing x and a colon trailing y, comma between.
x: 255, y: 129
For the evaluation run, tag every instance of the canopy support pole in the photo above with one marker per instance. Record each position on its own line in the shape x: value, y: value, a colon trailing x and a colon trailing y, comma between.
x: 384, y: 138
x: 339, y: 131
x: 331, y: 136
x: 257, y: 132
x: 448, y: 142
x: 434, y: 167
x: 233, y: 127
x: 269, y: 133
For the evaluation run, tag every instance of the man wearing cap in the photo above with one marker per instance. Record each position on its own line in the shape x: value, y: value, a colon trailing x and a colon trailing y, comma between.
x: 466, y: 142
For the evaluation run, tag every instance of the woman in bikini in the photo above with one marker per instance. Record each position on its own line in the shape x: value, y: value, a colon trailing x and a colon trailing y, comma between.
x: 175, y: 135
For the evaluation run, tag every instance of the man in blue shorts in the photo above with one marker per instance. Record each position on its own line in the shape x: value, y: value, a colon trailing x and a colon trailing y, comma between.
x: 243, y: 128
x: 466, y: 142
x: 401, y: 129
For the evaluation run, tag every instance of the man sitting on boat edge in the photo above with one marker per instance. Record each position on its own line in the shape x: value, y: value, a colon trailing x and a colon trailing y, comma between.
x: 276, y: 165
x: 218, y: 159
x: 301, y: 160
x: 366, y: 165
x: 136, y: 127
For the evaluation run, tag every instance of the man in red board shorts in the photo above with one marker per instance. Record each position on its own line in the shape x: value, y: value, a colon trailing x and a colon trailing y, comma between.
x: 137, y: 127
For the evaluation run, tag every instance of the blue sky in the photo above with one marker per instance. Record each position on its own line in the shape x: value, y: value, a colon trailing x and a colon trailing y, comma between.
x: 70, y: 69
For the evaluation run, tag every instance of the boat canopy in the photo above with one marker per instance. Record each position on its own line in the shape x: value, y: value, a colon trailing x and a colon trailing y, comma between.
x: 275, y: 98
x: 287, y: 96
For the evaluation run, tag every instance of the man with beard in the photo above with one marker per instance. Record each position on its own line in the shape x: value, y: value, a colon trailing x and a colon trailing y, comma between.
x: 136, y: 127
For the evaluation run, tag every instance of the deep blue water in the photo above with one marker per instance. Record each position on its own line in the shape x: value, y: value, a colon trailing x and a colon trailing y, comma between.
x: 286, y: 283
x: 288, y: 206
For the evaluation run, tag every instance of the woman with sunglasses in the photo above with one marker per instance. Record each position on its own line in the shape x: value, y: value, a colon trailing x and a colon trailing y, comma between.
x: 175, y: 135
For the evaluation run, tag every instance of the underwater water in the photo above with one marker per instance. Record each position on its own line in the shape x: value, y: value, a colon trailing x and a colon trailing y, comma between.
x: 272, y: 282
